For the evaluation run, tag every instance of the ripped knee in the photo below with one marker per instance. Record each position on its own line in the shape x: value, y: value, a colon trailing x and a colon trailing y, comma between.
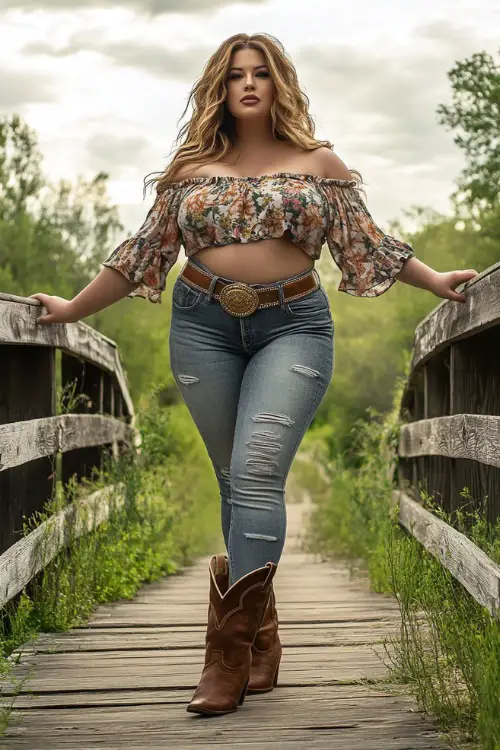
x: 264, y: 446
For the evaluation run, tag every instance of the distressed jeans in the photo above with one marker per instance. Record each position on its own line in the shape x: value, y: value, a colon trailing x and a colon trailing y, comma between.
x: 252, y: 386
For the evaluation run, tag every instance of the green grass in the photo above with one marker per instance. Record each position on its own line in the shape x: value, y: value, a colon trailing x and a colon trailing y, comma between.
x: 448, y: 652
x: 170, y: 515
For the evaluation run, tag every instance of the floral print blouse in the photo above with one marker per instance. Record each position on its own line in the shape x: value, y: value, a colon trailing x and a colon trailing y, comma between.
x: 202, y: 212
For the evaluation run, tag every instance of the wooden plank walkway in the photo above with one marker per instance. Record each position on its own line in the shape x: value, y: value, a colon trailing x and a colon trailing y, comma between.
x: 124, y: 680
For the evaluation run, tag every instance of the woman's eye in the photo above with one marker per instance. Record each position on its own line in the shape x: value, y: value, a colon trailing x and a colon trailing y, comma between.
x: 262, y: 74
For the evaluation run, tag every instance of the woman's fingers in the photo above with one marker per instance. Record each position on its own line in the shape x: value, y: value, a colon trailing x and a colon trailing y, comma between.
x: 40, y: 297
x: 45, y: 300
x: 456, y: 296
x: 44, y: 319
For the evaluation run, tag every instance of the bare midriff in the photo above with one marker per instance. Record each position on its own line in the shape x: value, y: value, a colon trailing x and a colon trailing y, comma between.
x: 260, y: 262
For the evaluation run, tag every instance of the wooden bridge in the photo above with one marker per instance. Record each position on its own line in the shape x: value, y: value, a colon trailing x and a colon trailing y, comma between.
x: 124, y: 680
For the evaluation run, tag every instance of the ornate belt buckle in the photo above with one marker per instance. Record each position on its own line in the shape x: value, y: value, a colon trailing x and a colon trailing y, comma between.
x: 239, y: 299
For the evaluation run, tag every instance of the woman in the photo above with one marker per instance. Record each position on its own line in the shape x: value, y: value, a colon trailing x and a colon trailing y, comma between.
x: 252, y: 196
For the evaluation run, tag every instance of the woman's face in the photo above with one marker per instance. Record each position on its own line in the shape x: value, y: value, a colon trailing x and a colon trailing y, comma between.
x: 249, y: 75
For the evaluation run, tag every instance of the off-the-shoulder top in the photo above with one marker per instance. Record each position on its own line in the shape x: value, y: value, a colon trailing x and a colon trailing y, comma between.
x: 200, y: 212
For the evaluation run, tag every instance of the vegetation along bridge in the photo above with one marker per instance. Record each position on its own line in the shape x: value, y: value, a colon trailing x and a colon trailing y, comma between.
x: 123, y: 679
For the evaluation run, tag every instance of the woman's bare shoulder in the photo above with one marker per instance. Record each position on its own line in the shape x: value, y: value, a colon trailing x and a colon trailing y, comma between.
x: 187, y: 170
x: 325, y: 163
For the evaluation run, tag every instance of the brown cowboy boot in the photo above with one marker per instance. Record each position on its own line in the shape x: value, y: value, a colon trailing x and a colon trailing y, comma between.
x: 266, y: 649
x: 234, y: 617
x: 266, y: 652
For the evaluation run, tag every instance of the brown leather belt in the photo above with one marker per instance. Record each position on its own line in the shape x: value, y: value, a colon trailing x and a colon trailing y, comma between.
x: 241, y: 299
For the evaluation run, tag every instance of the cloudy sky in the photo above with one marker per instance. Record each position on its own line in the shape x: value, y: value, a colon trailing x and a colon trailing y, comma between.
x: 104, y: 82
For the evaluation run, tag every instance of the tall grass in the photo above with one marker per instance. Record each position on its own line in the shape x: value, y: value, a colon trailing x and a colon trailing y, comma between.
x: 448, y: 652
x: 165, y: 514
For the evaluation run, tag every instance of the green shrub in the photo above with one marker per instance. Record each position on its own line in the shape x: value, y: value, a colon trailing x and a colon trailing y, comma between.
x: 448, y: 652
x: 166, y: 513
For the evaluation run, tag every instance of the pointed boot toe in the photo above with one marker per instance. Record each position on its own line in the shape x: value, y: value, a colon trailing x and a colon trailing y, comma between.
x: 211, y: 703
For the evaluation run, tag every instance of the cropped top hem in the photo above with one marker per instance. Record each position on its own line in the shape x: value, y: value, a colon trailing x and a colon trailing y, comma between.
x: 387, y: 275
x: 214, y: 179
x: 201, y: 212
x: 143, y: 290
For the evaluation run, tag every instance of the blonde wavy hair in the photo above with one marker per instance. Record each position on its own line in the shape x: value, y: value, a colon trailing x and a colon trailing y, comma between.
x: 209, y: 134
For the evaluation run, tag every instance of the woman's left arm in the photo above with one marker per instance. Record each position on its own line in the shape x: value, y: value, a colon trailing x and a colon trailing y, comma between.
x: 416, y: 273
x: 356, y: 243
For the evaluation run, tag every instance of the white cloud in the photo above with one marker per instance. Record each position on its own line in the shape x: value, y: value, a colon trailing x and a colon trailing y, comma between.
x: 158, y: 59
x: 105, y: 84
x: 115, y: 151
x: 386, y: 102
x: 21, y: 86
x: 152, y: 7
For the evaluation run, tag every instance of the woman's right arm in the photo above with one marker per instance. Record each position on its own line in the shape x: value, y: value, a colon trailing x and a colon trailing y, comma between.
x: 137, y: 267
x: 108, y: 287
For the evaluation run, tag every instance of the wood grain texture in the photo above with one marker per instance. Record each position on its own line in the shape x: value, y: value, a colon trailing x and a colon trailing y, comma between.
x: 457, y: 348
x: 465, y: 561
x: 472, y: 436
x: 474, y: 372
x: 127, y: 685
x: 21, y: 442
x: 119, y: 373
x: 18, y: 317
x: 182, y: 668
x: 126, y: 614
x: 450, y: 321
x: 256, y: 725
x: 27, y: 392
x: 168, y: 696
x: 21, y: 562
x: 169, y: 637
x: 18, y: 325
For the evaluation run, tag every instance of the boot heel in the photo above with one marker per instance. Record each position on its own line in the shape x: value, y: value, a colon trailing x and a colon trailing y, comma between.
x: 243, y: 693
x: 275, y: 681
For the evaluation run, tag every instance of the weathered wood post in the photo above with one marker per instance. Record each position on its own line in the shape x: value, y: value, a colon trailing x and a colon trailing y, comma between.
x: 437, y: 469
x: 87, y: 379
x: 456, y: 443
x: 474, y: 373
x: 27, y: 391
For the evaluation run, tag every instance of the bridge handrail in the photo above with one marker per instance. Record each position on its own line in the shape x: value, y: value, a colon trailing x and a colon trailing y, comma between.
x: 42, y: 441
x: 450, y: 439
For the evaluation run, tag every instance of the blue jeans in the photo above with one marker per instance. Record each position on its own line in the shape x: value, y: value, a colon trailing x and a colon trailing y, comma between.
x: 252, y: 386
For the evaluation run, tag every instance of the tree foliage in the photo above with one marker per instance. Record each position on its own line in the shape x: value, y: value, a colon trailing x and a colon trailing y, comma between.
x: 373, y: 337
x: 475, y: 116
x: 53, y: 238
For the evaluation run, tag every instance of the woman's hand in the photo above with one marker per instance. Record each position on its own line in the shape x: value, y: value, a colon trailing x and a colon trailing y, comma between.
x: 59, y: 310
x: 444, y: 284
x: 108, y: 287
x: 416, y: 273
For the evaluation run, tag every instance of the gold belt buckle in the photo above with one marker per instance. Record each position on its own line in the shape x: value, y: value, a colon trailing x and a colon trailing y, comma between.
x: 239, y: 299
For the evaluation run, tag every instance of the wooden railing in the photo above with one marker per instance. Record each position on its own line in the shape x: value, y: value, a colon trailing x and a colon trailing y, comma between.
x: 64, y: 404
x: 451, y: 439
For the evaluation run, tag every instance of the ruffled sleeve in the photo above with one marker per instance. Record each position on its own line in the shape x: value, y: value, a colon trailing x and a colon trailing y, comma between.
x: 150, y: 253
x: 368, y: 259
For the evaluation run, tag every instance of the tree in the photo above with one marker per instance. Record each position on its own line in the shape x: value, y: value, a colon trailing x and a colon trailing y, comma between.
x: 52, y: 237
x: 20, y: 172
x: 475, y: 115
x: 83, y: 216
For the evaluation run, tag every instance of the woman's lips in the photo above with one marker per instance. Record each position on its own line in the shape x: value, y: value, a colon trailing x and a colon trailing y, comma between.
x: 253, y: 100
